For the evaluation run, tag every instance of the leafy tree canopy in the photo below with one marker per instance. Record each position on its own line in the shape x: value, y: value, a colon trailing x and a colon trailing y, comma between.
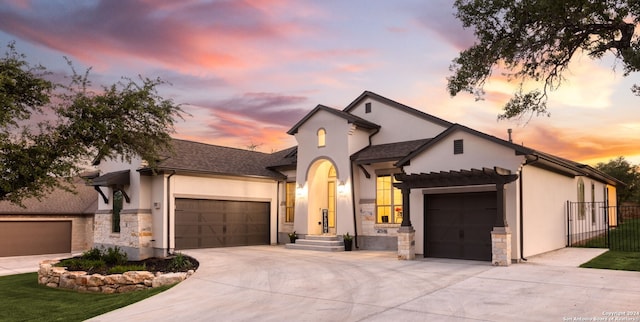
x: 534, y: 40
x: 622, y: 170
x: 123, y: 120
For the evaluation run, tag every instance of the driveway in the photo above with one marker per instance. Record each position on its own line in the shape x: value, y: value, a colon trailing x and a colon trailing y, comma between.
x: 270, y: 283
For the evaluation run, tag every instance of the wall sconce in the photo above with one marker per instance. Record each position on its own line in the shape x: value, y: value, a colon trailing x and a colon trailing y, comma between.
x: 301, y: 190
x: 342, y: 188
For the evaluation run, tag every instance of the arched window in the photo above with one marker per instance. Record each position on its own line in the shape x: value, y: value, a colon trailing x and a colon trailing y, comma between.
x: 322, y: 137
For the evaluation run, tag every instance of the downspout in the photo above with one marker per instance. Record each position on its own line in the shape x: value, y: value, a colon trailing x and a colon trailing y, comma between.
x: 169, y: 212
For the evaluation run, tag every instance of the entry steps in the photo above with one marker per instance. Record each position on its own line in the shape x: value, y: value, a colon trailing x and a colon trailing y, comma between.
x: 324, y: 243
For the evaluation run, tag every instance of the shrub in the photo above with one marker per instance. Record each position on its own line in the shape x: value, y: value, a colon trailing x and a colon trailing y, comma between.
x: 114, y: 256
x: 180, y: 262
x: 119, y: 269
x: 92, y: 254
x: 81, y: 264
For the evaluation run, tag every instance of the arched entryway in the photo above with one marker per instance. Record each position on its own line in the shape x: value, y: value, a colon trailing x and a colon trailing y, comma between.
x: 322, y: 181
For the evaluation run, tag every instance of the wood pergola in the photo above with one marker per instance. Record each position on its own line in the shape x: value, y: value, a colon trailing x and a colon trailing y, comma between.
x: 498, y: 176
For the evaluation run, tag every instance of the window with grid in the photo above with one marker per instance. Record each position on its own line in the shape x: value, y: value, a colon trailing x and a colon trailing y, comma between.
x: 388, y: 200
x: 290, y: 201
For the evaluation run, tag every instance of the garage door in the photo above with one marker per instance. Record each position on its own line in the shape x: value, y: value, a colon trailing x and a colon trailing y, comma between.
x: 459, y: 225
x: 221, y: 223
x: 20, y: 238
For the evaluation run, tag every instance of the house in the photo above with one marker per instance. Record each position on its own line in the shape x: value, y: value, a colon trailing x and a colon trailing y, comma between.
x: 395, y: 177
x: 60, y: 222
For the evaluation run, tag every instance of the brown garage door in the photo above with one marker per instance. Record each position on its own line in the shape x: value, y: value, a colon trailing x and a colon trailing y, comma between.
x: 19, y: 238
x: 221, y: 223
x: 459, y: 225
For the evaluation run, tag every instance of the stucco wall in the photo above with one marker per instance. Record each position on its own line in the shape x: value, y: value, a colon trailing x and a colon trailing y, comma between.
x: 478, y: 153
x: 544, y: 213
x: 342, y: 139
x: 394, y: 123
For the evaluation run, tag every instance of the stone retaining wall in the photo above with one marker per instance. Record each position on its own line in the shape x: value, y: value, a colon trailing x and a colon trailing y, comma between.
x: 59, y: 277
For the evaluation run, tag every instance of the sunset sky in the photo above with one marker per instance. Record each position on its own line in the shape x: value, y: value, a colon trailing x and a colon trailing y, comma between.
x: 247, y: 71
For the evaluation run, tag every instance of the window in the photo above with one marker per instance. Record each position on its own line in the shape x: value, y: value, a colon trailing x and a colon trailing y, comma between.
x: 322, y: 137
x: 290, y: 201
x: 117, y: 208
x: 458, y: 146
x: 581, y: 204
x: 388, y: 200
x: 367, y: 108
x: 331, y: 197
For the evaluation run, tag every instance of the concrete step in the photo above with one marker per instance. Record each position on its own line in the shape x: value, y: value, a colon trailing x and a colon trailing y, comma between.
x: 322, y: 248
x: 319, y: 242
x: 322, y: 237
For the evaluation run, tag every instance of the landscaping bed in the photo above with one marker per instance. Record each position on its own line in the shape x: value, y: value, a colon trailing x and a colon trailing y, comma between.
x: 109, y: 271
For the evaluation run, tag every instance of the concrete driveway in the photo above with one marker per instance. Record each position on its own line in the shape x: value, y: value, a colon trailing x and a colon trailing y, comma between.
x: 270, y: 283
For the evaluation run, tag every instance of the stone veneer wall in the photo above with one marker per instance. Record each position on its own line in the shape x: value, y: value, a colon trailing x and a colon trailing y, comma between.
x: 376, y: 236
x: 135, y: 233
x: 59, y: 277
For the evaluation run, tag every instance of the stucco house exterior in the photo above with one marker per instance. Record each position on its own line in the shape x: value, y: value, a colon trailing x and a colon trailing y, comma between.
x: 60, y: 222
x: 393, y: 176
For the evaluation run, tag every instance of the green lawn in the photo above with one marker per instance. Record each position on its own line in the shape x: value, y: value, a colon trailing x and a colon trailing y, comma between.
x: 23, y: 299
x: 624, y: 238
x: 626, y: 261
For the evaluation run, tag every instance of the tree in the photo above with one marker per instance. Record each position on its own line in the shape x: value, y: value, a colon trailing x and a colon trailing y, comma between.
x: 123, y: 120
x: 622, y: 170
x: 535, y: 40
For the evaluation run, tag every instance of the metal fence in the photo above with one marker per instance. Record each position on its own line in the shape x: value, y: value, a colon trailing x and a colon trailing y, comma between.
x: 598, y: 225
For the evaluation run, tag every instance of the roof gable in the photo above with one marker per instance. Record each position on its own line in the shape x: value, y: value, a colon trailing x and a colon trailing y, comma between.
x: 358, y: 121
x: 397, y: 105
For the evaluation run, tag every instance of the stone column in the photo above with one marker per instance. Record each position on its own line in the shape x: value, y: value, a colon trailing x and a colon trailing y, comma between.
x: 501, y: 246
x: 406, y: 243
x: 406, y: 233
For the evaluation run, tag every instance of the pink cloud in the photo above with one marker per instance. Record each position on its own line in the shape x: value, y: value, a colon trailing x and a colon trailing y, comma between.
x: 190, y: 35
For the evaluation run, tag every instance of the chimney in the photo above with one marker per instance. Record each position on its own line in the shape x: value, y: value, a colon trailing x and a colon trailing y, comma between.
x: 509, y: 131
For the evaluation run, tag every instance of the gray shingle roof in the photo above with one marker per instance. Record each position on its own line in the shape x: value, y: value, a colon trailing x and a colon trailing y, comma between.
x: 205, y: 158
x: 387, y: 152
x: 58, y: 202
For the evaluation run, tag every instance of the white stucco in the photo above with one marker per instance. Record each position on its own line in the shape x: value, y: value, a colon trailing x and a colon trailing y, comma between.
x: 396, y: 125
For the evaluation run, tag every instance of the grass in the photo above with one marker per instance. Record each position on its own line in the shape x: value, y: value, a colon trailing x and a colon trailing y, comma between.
x: 626, y: 261
x: 625, y: 237
x: 23, y: 299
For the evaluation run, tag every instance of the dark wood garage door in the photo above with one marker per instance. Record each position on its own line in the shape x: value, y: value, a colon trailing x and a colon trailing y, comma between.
x: 221, y: 223
x: 20, y: 238
x: 459, y: 225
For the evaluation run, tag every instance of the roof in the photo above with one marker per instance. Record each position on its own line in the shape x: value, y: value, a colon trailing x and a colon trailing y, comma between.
x: 397, y: 105
x: 189, y: 156
x: 387, y: 152
x: 57, y: 202
x: 286, y: 159
x: 358, y: 121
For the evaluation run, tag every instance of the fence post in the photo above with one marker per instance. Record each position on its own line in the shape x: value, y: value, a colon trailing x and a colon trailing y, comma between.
x: 568, y: 224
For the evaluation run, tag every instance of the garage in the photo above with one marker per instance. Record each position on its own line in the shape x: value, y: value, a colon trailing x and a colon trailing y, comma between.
x: 458, y: 225
x: 20, y: 238
x: 201, y: 223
